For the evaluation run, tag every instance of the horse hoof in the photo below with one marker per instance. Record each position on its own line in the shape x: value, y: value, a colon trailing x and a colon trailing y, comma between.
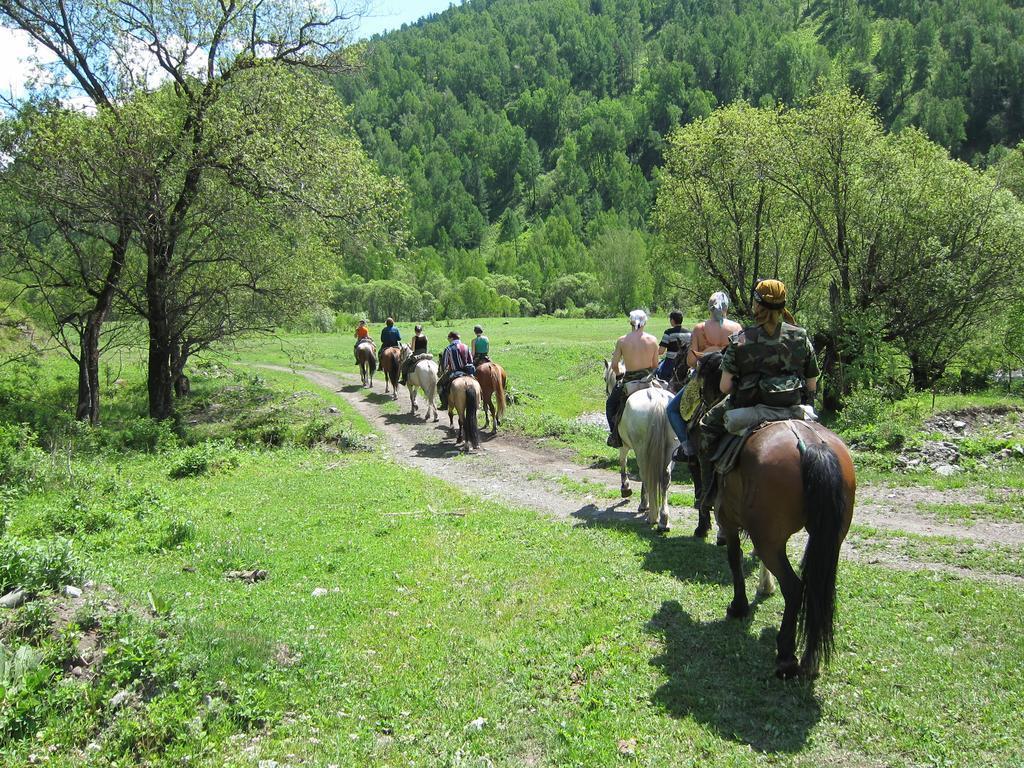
x: 737, y: 612
x: 786, y: 669
x: 663, y: 529
x: 720, y: 541
x: 626, y: 492
x: 701, y: 531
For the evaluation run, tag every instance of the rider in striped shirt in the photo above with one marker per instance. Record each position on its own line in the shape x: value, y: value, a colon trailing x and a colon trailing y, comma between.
x: 674, y: 343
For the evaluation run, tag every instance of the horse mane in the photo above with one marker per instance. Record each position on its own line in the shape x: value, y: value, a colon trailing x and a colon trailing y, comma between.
x: 709, y: 371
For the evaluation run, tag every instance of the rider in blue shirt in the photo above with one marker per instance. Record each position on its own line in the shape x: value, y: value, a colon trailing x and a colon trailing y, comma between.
x: 389, y: 336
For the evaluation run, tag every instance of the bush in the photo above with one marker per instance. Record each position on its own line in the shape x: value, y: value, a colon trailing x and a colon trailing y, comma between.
x: 78, y: 515
x: 37, y: 566
x: 170, y: 533
x: 146, y: 435
x: 23, y: 678
x: 200, y: 459
x: 870, y: 421
x: 33, y: 620
x: 21, y: 458
x: 320, y: 431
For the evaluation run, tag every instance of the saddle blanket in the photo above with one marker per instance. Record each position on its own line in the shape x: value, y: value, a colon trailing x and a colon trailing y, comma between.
x: 647, y: 382
x: 756, y: 418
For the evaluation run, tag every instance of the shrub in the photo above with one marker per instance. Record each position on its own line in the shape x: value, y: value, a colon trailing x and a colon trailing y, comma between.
x: 21, y: 458
x: 32, y: 621
x: 77, y: 515
x: 23, y: 677
x: 320, y: 431
x: 200, y: 459
x: 37, y: 566
x: 147, y: 435
x: 261, y: 428
x: 175, y: 532
x: 870, y: 421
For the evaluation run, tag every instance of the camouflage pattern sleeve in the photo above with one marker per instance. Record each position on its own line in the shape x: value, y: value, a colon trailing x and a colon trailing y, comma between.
x: 811, y: 370
x: 729, y: 362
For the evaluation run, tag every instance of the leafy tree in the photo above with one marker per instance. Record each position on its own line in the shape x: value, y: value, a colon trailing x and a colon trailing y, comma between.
x: 624, y: 269
x: 231, y: 121
x: 73, y: 201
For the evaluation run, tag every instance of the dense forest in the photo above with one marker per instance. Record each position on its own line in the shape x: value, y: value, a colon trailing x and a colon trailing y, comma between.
x: 530, y: 134
x: 560, y: 157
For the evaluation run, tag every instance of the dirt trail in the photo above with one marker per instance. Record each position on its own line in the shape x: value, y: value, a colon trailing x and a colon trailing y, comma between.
x: 522, y: 473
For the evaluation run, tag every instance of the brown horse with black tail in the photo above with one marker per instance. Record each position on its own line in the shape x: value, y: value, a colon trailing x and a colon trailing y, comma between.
x: 791, y: 475
x: 366, y: 354
x: 391, y: 367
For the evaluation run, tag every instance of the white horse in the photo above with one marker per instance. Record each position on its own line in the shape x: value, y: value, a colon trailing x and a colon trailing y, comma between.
x: 645, y: 430
x: 423, y: 376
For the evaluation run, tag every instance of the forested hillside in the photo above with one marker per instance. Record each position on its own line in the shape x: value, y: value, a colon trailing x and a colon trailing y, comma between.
x: 530, y: 133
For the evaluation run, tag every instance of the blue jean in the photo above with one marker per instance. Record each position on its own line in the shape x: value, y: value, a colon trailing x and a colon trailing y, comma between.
x: 676, y: 419
x: 665, y: 369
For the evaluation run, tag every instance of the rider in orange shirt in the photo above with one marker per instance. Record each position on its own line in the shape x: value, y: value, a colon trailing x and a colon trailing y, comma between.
x: 362, y: 332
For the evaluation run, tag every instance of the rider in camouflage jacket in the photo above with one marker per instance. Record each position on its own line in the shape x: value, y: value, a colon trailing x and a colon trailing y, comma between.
x: 771, y: 363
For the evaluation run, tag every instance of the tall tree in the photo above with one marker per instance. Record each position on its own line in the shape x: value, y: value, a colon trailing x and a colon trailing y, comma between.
x: 74, y: 181
x: 221, y: 66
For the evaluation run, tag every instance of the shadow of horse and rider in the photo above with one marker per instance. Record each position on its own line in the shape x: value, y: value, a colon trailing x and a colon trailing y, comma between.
x: 790, y: 474
x: 717, y: 672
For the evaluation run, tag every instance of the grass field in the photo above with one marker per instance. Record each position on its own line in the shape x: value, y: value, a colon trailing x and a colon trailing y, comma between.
x: 555, y: 373
x: 554, y: 368
x: 404, y: 623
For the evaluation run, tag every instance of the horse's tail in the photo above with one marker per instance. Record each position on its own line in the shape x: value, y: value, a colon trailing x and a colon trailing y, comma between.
x: 824, y: 506
x: 499, y: 391
x: 654, y: 453
x: 472, y: 431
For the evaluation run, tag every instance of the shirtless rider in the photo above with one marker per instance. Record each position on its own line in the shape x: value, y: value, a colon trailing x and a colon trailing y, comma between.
x: 638, y: 351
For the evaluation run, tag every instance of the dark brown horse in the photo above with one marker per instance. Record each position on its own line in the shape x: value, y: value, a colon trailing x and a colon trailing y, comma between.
x: 492, y: 385
x: 366, y: 354
x: 791, y: 475
x: 391, y: 366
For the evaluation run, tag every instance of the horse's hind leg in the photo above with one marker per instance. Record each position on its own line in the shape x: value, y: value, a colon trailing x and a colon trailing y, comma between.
x: 776, y: 561
x: 624, y: 488
x: 739, y: 607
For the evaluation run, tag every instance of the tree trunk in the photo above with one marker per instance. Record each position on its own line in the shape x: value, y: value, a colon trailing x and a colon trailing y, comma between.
x: 160, y: 382
x: 925, y: 373
x: 89, y: 358
x: 179, y: 357
x: 160, y: 379
x: 88, y: 408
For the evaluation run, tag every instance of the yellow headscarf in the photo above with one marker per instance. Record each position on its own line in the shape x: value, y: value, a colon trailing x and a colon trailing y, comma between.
x: 771, y: 294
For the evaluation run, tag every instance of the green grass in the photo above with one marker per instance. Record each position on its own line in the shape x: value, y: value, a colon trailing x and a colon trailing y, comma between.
x: 1009, y: 509
x: 564, y: 639
x: 991, y: 558
x: 601, y: 491
x: 441, y: 609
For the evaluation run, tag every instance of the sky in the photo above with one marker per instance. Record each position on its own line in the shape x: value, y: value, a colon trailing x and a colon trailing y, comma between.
x: 384, y: 15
